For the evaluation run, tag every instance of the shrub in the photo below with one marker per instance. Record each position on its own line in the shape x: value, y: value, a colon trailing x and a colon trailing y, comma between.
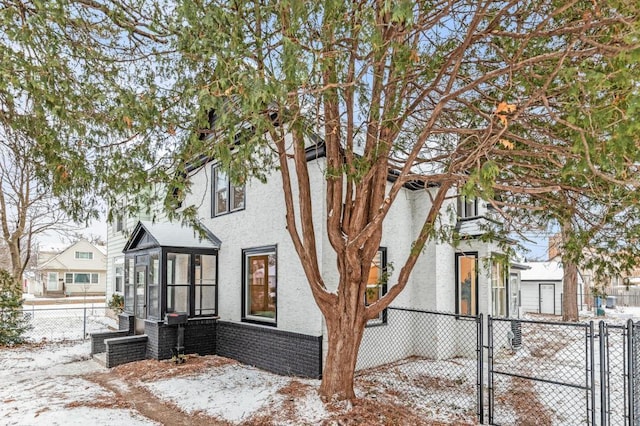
x: 13, y: 323
x: 116, y: 303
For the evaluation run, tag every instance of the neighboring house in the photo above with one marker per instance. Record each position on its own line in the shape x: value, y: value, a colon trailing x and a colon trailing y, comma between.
x: 78, y: 270
x: 118, y: 231
x: 246, y: 295
x: 541, y: 289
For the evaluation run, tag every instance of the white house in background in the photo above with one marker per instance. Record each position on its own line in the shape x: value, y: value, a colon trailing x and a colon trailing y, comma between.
x: 541, y: 288
x: 234, y: 310
x: 78, y: 270
x: 118, y: 231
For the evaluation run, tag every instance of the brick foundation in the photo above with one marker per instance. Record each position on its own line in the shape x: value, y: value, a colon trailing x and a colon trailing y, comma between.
x: 121, y: 350
x: 271, y: 349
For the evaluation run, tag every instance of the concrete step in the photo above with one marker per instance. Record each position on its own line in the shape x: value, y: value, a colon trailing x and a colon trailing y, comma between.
x: 101, y: 358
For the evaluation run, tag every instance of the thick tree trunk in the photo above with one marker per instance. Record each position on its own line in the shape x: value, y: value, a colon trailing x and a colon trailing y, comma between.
x: 570, y: 280
x: 344, y: 334
x: 570, y: 291
x: 16, y: 266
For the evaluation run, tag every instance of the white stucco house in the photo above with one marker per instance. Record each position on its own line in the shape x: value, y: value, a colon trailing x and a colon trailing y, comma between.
x: 245, y: 274
x: 78, y: 270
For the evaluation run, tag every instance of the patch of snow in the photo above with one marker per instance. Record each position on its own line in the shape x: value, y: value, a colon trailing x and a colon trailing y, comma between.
x: 82, y: 416
x: 233, y: 392
x: 26, y: 358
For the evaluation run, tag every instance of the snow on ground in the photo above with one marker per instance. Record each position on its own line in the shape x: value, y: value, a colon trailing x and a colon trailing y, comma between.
x: 51, y: 384
x: 233, y: 392
x: 41, y: 386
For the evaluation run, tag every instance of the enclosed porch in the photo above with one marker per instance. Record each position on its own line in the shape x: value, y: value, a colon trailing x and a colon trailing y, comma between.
x: 171, y: 269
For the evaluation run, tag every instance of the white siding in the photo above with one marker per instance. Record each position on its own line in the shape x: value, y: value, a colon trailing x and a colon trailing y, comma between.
x: 261, y: 223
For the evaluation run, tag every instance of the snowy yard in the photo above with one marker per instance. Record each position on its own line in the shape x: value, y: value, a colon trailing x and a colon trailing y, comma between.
x: 57, y: 383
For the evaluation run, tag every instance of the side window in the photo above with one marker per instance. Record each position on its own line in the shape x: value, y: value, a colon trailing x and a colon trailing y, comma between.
x: 467, y: 283
x: 467, y: 207
x: 377, y: 284
x: 225, y: 196
x: 498, y: 287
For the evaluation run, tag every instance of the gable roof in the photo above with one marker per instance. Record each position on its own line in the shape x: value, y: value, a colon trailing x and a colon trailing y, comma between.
x: 54, y: 261
x: 542, y: 271
x: 148, y: 234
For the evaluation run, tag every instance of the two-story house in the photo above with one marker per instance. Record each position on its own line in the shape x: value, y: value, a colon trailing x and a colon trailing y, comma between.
x: 243, y: 288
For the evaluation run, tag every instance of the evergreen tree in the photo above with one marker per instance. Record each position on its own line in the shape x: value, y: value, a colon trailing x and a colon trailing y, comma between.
x: 13, y: 323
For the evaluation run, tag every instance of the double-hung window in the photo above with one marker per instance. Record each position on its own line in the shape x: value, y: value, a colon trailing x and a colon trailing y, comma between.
x: 467, y: 207
x: 118, y: 275
x: 226, y: 197
x: 499, y: 287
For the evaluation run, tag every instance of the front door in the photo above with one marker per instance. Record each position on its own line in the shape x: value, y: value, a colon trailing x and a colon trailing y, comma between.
x: 52, y: 281
x: 548, y: 299
x: 140, y: 302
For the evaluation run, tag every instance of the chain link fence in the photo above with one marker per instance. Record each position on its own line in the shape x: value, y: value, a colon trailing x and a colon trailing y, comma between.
x: 544, y: 378
x: 55, y: 324
x: 612, y: 355
x: 431, y: 359
x: 520, y: 371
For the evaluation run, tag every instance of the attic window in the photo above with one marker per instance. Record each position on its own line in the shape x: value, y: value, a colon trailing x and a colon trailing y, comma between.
x: 84, y: 255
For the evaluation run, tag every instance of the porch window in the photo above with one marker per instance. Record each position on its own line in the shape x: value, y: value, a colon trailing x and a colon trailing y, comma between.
x: 498, y: 287
x: 129, y: 290
x: 205, y: 284
x: 178, y: 283
x: 153, y: 310
x: 226, y: 197
x: 467, y: 283
x: 260, y: 284
x: 377, y: 284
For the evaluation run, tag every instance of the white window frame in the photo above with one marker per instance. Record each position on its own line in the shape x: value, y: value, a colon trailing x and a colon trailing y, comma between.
x: 79, y: 253
x: 467, y: 207
x: 499, y: 288
x: 118, y: 263
x: 92, y: 275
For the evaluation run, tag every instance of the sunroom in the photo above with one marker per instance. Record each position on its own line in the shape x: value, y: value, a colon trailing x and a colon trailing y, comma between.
x: 170, y: 268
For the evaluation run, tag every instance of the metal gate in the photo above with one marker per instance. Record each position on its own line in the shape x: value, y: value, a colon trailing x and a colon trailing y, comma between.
x: 549, y: 373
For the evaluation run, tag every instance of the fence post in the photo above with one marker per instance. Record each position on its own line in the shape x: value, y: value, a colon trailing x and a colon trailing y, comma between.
x: 631, y: 371
x: 84, y: 324
x: 479, y: 325
x: 603, y: 373
x: 592, y: 373
x: 490, y: 366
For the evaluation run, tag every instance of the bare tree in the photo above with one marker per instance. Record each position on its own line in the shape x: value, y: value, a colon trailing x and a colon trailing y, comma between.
x: 27, y: 207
